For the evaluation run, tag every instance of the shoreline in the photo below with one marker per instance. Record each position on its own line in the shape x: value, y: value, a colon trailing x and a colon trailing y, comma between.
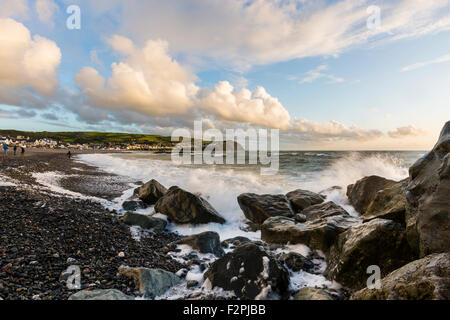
x: 45, y: 233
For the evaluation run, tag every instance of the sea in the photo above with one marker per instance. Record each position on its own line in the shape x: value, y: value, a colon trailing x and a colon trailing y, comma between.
x: 329, y: 172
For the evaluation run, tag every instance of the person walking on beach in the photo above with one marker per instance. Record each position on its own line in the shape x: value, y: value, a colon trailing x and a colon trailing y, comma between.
x: 15, y: 149
x: 22, y: 150
x: 5, y: 148
x: 69, y: 154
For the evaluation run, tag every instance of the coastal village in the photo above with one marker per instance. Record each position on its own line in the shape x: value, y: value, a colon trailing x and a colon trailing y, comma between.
x: 27, y: 142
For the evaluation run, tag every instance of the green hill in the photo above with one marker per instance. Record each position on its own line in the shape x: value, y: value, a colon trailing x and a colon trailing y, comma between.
x: 92, y: 137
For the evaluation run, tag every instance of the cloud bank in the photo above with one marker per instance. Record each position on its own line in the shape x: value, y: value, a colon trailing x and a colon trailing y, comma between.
x: 28, y: 65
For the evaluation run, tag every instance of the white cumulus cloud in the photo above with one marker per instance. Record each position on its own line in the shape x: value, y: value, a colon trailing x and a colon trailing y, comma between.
x: 28, y: 65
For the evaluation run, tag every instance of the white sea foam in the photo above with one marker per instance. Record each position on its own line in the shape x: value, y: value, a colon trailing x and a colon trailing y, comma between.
x: 7, y: 182
x: 221, y: 185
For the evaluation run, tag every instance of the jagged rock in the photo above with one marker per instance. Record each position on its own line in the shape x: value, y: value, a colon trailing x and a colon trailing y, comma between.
x: 317, y: 234
x: 205, y: 242
x: 424, y: 279
x: 389, y: 203
x: 250, y: 272
x: 257, y: 208
x: 107, y: 294
x: 236, y: 241
x: 363, y: 192
x: 428, y: 204
x: 132, y: 205
x: 296, y: 262
x: 151, y: 192
x: 309, y: 293
x: 145, y: 222
x: 151, y: 282
x: 184, y: 207
x: 378, y: 242
x: 302, y: 199
x: 326, y: 209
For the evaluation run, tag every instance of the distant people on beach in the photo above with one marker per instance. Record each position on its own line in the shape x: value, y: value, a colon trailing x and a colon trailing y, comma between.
x: 5, y: 148
x: 22, y: 151
x: 69, y: 154
x: 15, y: 150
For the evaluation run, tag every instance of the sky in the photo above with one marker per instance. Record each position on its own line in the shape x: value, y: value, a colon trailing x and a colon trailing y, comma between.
x: 330, y: 75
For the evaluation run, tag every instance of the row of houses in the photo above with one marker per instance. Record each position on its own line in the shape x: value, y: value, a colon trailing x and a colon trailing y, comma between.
x: 27, y: 142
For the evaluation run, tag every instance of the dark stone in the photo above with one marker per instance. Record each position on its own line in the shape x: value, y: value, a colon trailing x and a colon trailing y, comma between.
x: 302, y: 199
x: 424, y: 279
x: 389, y: 203
x: 300, y: 218
x: 323, y: 210
x: 378, y: 242
x: 151, y: 192
x: 184, y: 207
x: 236, y: 241
x: 132, y: 205
x: 205, y: 242
x: 363, y: 192
x: 257, y: 208
x: 250, y: 272
x: 296, y: 262
x: 317, y: 234
x: 428, y: 204
x: 145, y: 222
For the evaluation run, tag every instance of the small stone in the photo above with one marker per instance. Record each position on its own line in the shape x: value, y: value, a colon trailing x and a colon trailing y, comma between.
x: 71, y: 260
x: 36, y: 297
x: 300, y: 218
x: 191, y: 284
x: 121, y: 254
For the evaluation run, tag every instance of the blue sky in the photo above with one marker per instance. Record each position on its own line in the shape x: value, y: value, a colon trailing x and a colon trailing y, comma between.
x: 313, y: 69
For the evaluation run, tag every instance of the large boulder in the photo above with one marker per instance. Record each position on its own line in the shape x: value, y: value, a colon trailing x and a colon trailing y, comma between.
x: 151, y: 282
x: 363, y: 192
x: 143, y: 221
x: 378, y: 242
x: 326, y: 209
x: 257, y: 208
x: 428, y: 204
x: 309, y: 293
x: 185, y: 207
x: 424, y: 279
x: 150, y: 192
x: 389, y: 203
x: 302, y: 199
x: 250, y: 272
x: 317, y: 234
x: 106, y: 294
x: 205, y: 242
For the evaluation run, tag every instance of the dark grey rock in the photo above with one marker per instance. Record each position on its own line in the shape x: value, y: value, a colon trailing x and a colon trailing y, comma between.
x: 151, y: 192
x: 428, y: 204
x: 378, y: 242
x: 145, y: 222
x: 257, y: 208
x: 205, y: 242
x: 302, y: 199
x: 250, y: 272
x: 184, y: 207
